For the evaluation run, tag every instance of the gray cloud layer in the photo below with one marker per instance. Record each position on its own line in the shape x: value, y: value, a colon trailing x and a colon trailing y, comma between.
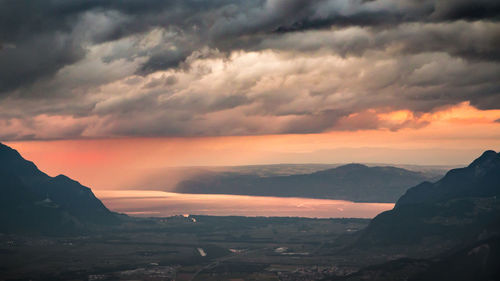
x: 192, y: 67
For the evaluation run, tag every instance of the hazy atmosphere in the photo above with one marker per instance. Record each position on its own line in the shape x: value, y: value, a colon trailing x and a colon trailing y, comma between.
x: 283, y: 140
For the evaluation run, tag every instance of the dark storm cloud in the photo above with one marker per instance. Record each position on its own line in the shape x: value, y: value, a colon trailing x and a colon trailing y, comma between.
x: 313, y: 123
x: 470, y: 40
x: 43, y: 30
x: 469, y: 10
x: 380, y: 14
x: 37, y: 57
x: 86, y: 59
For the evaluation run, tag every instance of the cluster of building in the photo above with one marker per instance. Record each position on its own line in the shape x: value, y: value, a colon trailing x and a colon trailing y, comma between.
x: 313, y: 273
x: 153, y: 272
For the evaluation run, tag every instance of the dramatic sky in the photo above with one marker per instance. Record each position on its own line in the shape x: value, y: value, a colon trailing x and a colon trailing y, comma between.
x: 268, y: 76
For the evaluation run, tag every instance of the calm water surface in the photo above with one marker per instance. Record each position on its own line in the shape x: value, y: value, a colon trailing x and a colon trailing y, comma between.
x: 160, y: 204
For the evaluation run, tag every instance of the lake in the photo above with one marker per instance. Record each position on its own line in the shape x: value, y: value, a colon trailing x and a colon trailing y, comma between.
x: 160, y: 204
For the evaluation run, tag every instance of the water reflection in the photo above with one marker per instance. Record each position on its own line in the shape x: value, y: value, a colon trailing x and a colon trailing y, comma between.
x: 159, y: 204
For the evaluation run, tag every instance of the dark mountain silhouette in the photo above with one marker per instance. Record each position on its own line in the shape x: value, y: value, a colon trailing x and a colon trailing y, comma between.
x: 480, y: 179
x: 478, y: 261
x: 354, y: 182
x: 463, y: 206
x: 450, y: 229
x: 34, y: 202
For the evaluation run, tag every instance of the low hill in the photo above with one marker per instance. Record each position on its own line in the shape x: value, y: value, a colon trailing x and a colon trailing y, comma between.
x: 354, y: 182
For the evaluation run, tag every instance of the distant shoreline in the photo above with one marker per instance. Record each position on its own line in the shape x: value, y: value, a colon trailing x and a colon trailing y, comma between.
x: 140, y: 203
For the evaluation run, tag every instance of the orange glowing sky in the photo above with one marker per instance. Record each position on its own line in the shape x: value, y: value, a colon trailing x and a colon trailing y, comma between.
x: 451, y: 136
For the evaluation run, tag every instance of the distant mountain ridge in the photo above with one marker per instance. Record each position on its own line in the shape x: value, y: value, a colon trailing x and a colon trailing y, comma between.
x: 354, y: 182
x: 34, y: 202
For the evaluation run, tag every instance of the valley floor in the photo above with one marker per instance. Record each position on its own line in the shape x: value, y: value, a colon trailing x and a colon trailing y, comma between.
x: 189, y: 248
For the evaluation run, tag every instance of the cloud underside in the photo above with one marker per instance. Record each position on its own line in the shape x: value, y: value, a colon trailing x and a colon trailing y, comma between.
x: 71, y: 69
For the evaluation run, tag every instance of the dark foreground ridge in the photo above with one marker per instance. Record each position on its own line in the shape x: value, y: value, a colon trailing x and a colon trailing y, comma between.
x: 463, y: 205
x: 33, y: 202
x: 450, y: 228
x: 476, y: 262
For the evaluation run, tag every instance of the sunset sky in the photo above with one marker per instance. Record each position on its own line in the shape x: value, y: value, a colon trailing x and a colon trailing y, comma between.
x: 111, y: 93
